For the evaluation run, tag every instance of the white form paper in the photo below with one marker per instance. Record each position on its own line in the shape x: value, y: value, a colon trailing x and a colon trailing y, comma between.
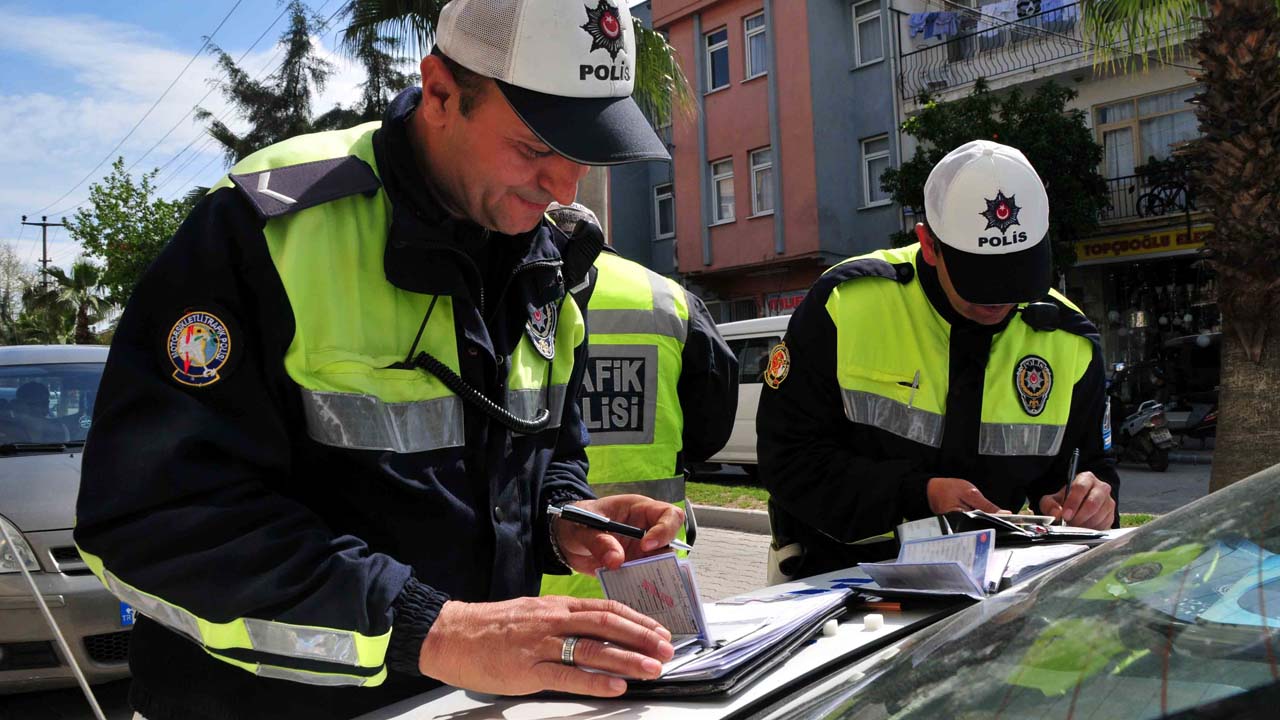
x: 656, y: 587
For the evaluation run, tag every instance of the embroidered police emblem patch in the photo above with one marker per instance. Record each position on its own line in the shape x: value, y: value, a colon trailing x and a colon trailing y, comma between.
x: 1033, y: 379
x: 1001, y: 213
x: 605, y: 28
x: 779, y: 365
x: 541, y: 328
x: 199, y: 346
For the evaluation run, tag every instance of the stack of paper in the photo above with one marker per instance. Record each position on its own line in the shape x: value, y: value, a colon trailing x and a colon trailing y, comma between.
x: 942, y: 565
x: 714, y: 640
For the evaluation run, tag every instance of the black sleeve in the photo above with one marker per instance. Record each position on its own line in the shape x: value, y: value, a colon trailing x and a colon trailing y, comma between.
x: 566, y: 476
x: 809, y: 458
x: 187, y: 497
x: 1084, y: 431
x: 708, y: 386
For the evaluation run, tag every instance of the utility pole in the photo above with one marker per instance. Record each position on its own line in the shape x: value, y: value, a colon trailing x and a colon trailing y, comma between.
x: 44, y: 226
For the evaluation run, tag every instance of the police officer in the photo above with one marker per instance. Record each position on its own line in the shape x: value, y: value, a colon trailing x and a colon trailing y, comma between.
x: 942, y: 376
x: 339, y: 404
x: 660, y: 388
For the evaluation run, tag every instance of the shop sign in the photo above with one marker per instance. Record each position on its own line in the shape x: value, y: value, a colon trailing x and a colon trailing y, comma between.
x: 1112, y: 249
x: 783, y: 303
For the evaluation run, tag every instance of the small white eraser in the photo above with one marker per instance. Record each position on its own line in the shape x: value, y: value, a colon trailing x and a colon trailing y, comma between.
x: 830, y: 628
x: 872, y: 622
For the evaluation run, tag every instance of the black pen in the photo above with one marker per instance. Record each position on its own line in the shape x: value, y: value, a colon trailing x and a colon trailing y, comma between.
x: 1071, y: 478
x: 589, y: 519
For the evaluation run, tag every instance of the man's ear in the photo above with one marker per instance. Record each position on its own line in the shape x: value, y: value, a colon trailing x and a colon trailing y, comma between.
x: 438, y: 88
x: 927, y: 249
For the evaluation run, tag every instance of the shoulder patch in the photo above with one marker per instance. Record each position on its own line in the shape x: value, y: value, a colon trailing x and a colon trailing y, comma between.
x: 199, y: 347
x: 779, y: 365
x: 284, y: 190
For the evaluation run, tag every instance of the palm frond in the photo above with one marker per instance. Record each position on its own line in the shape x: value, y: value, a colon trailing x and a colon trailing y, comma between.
x: 1125, y: 33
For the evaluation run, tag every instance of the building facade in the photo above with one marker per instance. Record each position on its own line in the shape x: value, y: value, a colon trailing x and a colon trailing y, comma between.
x: 775, y: 177
x: 1139, y: 277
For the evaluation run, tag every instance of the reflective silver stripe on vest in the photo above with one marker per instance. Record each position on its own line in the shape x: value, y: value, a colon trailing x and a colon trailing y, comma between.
x: 335, y: 646
x: 309, y: 678
x: 662, y: 320
x: 363, y: 422
x: 892, y: 416
x: 667, y: 489
x: 1024, y: 439
x: 170, y: 616
x: 526, y: 404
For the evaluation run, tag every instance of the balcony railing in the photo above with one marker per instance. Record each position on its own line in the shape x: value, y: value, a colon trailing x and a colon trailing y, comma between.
x: 1136, y: 197
x: 989, y: 48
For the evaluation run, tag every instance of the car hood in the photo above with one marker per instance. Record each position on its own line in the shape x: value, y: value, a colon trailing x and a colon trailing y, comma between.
x: 38, y: 492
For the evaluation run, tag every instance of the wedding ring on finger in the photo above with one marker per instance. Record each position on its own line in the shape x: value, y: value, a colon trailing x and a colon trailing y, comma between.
x: 566, y: 650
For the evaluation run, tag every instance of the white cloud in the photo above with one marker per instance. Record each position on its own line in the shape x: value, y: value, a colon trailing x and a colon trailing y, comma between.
x: 114, y: 72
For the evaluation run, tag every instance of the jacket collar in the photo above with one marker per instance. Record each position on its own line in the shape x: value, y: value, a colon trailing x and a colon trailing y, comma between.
x: 426, y: 250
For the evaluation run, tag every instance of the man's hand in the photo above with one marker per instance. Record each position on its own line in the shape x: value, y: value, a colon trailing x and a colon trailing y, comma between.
x: 950, y: 494
x: 513, y: 647
x: 1088, y: 504
x: 587, y: 549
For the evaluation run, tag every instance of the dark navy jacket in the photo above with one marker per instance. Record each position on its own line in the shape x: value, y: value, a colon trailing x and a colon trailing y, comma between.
x: 216, y: 498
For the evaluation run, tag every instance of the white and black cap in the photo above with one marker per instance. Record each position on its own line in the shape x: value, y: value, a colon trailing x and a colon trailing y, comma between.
x: 989, y: 208
x: 566, y: 68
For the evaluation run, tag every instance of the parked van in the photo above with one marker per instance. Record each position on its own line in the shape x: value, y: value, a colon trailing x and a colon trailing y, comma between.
x: 751, y: 341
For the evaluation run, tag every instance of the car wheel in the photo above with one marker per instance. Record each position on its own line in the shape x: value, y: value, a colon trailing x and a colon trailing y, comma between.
x: 752, y: 473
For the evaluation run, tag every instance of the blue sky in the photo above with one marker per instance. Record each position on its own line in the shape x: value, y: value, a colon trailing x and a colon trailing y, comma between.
x: 76, y: 75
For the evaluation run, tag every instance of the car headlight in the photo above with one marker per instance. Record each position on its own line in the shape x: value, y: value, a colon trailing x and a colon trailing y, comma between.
x: 9, y: 556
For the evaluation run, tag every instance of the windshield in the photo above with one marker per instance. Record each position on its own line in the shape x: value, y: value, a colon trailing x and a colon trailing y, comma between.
x: 1177, y: 614
x: 50, y: 403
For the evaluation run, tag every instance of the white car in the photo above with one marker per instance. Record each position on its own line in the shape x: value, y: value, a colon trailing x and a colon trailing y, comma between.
x: 750, y: 341
x: 47, y: 395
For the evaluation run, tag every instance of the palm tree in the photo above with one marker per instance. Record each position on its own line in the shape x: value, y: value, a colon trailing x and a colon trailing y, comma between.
x: 1236, y: 167
x: 660, y: 85
x: 45, y: 320
x: 80, y: 292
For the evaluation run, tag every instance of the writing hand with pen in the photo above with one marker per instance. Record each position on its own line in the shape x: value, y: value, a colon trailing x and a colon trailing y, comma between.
x: 1085, y: 501
x: 588, y: 546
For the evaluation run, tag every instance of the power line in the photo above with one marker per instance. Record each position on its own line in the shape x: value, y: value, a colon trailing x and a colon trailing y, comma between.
x: 208, y: 39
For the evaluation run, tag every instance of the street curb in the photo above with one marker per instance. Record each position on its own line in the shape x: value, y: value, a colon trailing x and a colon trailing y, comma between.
x: 752, y: 521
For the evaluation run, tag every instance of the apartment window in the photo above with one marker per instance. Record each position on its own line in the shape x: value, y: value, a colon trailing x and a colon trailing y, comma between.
x: 756, y: 42
x: 875, y: 160
x: 717, y: 59
x: 762, y: 181
x: 1135, y: 130
x: 722, y: 191
x: 868, y: 40
x: 664, y: 211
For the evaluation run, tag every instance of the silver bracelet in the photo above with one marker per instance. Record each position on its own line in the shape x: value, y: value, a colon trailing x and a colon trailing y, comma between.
x: 555, y: 541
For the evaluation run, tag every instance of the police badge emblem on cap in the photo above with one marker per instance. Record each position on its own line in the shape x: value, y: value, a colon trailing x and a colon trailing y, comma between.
x: 541, y: 328
x: 1033, y: 379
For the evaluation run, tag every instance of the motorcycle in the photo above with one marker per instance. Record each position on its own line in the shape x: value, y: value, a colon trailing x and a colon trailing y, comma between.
x: 1142, y: 435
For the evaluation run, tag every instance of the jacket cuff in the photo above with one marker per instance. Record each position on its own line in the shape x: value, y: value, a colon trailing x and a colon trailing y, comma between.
x: 913, y: 495
x: 547, y: 554
x: 416, y: 609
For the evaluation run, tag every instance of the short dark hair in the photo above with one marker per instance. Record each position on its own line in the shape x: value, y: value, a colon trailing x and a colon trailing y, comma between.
x: 472, y: 84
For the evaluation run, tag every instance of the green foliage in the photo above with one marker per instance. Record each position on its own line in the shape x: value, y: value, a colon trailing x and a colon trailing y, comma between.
x: 124, y: 226
x: 383, y: 79
x: 1056, y: 140
x: 279, y: 107
x: 15, y: 278
x: 80, y: 291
